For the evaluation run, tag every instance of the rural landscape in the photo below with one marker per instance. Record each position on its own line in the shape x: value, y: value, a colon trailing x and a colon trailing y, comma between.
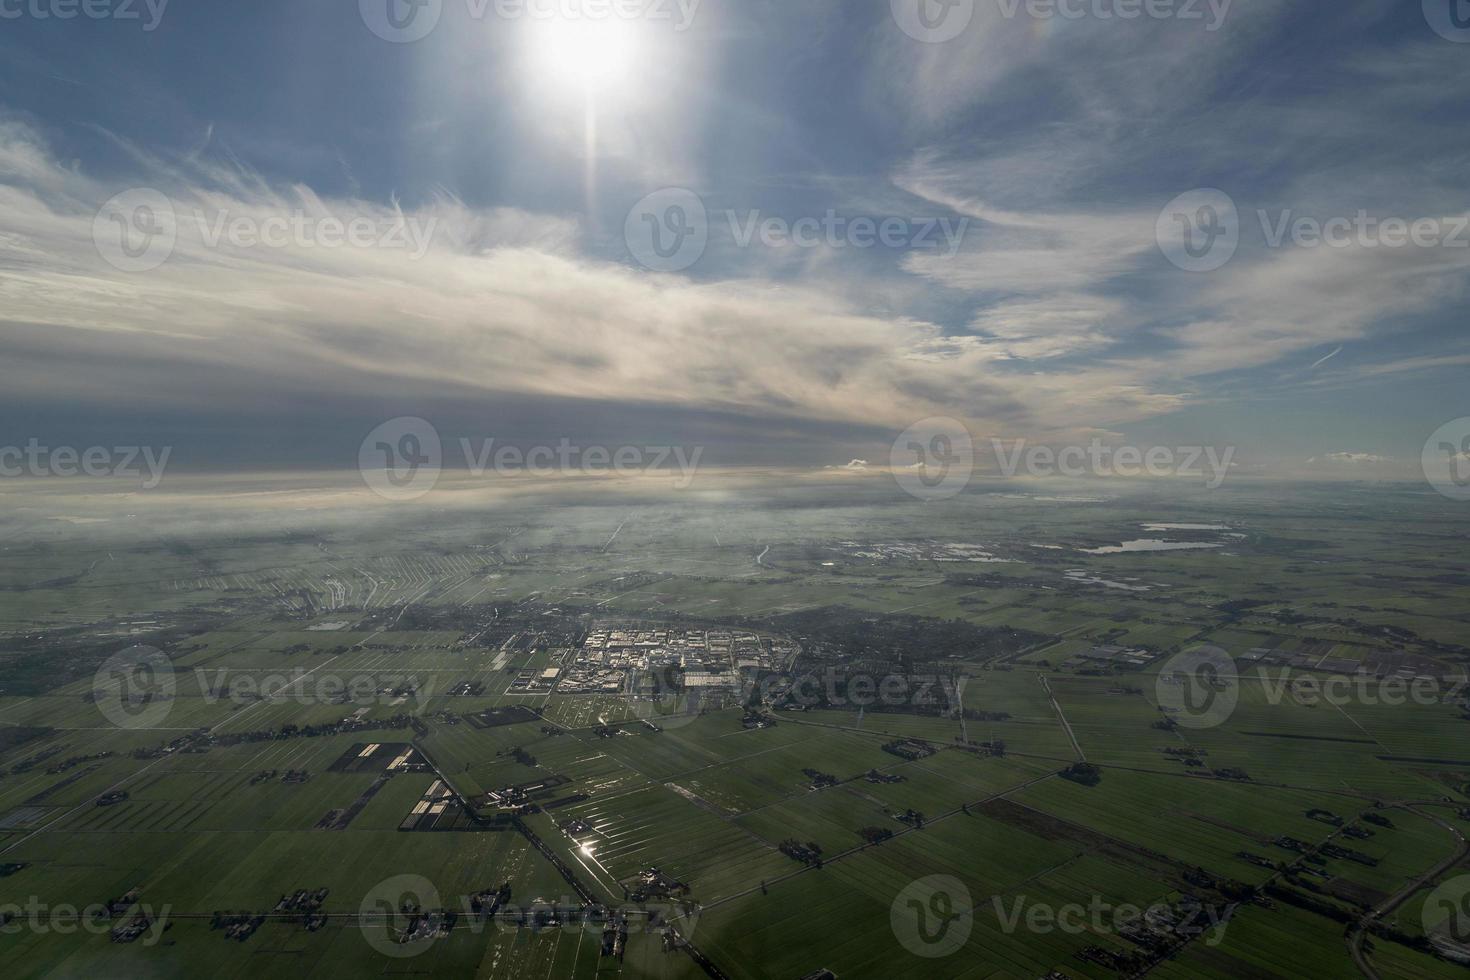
x: 734, y: 490
x: 801, y: 738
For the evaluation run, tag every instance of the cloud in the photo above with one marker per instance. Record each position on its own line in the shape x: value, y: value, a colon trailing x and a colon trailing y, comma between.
x: 1066, y: 280
x: 1324, y: 359
x: 502, y: 301
x: 1357, y: 459
x: 1058, y: 317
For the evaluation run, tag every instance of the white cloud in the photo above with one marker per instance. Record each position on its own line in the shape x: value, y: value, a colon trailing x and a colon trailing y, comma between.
x: 503, y: 301
x: 1364, y: 459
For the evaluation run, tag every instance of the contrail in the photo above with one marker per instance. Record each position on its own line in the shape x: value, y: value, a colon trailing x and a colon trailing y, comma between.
x: 1323, y: 360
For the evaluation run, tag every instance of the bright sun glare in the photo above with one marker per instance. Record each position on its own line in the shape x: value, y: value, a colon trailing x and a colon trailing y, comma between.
x: 592, y: 57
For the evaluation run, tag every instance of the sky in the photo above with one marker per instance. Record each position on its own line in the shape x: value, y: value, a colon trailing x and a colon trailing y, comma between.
x: 783, y: 231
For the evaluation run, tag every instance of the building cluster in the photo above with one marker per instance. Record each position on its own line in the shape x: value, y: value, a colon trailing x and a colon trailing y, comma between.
x: 652, y: 884
x: 638, y: 660
x: 426, y: 812
x: 535, y: 680
x: 1108, y: 655
x: 910, y: 551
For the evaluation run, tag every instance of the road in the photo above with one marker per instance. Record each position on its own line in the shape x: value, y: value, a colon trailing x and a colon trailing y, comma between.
x: 1066, y: 726
x: 1355, y: 938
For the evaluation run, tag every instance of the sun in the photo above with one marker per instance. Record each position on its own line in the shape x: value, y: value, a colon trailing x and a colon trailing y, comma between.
x: 589, y: 57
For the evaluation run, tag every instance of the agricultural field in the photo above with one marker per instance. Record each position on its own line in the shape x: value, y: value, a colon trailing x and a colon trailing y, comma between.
x: 954, y: 752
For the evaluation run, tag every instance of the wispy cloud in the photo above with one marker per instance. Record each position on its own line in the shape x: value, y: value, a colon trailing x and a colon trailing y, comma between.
x: 1324, y: 359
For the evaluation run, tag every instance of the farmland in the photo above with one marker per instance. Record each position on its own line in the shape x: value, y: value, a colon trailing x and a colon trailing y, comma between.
x: 339, y: 742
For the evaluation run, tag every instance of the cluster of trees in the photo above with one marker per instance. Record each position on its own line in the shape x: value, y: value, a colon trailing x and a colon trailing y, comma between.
x: 1084, y: 773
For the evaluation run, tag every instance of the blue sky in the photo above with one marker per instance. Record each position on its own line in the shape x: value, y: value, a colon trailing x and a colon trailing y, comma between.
x: 1048, y: 146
